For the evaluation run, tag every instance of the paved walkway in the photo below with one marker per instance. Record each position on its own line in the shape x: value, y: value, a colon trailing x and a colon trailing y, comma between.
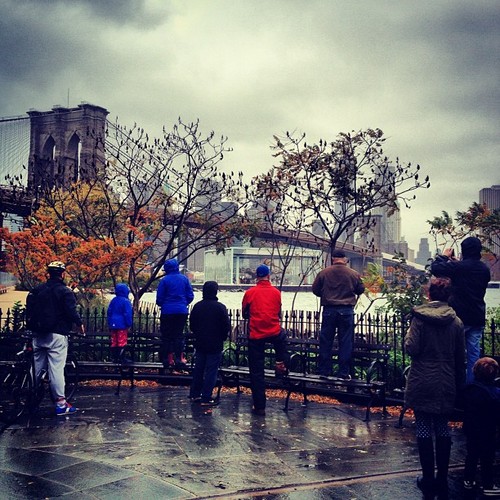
x: 153, y: 443
x: 8, y: 299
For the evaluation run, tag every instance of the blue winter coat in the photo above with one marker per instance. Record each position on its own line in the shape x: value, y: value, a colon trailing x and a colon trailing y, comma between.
x: 120, y: 309
x: 174, y: 292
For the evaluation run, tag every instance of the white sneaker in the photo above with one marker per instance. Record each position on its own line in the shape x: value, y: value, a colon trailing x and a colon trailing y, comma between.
x: 469, y: 485
x: 494, y: 491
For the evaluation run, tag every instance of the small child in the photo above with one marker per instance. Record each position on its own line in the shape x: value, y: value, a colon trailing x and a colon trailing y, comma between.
x: 210, y: 324
x: 119, y: 322
x: 481, y: 401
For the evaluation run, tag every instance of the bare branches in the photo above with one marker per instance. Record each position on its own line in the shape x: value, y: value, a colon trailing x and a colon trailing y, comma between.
x: 338, y: 185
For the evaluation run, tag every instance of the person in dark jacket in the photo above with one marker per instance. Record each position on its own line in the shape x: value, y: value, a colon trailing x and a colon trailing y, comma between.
x: 469, y: 279
x: 119, y: 321
x: 51, y: 330
x: 210, y: 324
x: 436, y: 345
x: 481, y: 400
x: 174, y: 294
x: 339, y: 287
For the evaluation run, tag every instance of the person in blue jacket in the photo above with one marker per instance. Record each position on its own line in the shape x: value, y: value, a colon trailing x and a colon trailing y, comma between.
x: 119, y: 321
x: 173, y: 296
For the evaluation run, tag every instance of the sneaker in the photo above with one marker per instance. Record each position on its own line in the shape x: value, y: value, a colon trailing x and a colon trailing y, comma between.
x: 469, y: 485
x: 210, y: 402
x: 280, y: 369
x: 494, y: 491
x: 67, y: 409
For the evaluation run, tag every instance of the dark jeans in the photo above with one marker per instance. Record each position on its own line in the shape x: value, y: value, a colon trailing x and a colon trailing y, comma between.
x: 256, y: 359
x: 480, y: 450
x: 336, y: 319
x: 172, y: 337
x: 205, y: 370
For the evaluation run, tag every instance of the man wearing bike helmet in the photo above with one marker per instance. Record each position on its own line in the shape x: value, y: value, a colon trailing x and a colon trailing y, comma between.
x: 50, y: 314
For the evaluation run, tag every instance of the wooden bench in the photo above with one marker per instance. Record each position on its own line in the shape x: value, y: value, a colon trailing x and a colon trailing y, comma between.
x: 369, y: 371
x: 143, y: 353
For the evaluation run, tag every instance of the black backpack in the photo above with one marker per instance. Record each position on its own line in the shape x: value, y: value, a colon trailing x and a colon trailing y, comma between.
x: 41, y: 310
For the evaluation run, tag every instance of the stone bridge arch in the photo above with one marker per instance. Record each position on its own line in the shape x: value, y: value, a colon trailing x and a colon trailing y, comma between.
x: 66, y: 145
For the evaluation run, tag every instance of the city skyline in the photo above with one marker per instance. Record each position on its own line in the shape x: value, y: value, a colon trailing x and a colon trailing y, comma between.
x: 428, y: 77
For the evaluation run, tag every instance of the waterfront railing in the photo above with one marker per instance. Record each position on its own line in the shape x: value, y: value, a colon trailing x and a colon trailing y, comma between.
x: 389, y: 329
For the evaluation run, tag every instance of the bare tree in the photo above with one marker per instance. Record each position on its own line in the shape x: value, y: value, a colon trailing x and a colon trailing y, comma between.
x: 164, y: 197
x: 338, y: 185
x: 283, y: 232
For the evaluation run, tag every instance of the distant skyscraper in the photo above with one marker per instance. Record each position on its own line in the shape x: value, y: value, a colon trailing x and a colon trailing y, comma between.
x: 390, y: 230
x: 490, y: 196
x: 423, y: 253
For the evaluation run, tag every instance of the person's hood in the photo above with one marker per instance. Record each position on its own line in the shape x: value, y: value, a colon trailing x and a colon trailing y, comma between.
x: 171, y: 266
x: 210, y: 289
x: 436, y: 313
x: 122, y: 290
x: 471, y: 248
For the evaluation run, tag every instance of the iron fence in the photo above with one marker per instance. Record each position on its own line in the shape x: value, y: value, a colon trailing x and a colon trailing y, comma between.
x: 299, y: 325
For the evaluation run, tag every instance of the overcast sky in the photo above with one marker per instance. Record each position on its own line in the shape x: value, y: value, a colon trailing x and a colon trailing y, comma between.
x: 427, y: 73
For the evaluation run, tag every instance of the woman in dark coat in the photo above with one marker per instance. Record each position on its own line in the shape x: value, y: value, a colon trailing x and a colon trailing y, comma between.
x: 436, y: 345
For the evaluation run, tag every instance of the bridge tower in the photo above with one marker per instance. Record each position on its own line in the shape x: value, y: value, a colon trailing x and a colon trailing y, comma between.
x: 66, y: 145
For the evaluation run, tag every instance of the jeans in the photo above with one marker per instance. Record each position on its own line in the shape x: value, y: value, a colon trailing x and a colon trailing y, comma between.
x: 50, y: 352
x: 473, y: 336
x: 256, y: 361
x: 336, y: 319
x: 172, y: 337
x: 205, y: 370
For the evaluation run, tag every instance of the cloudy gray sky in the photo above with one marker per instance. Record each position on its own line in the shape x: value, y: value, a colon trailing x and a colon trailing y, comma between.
x: 427, y: 73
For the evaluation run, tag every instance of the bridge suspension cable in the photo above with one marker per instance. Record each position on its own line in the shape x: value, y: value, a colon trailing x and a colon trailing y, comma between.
x: 14, y: 148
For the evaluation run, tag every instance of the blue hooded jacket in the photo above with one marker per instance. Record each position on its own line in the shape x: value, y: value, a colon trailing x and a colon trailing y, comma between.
x: 174, y: 292
x: 120, y: 309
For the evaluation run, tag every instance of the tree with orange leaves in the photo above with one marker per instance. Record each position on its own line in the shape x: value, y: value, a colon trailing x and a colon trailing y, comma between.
x: 89, y: 262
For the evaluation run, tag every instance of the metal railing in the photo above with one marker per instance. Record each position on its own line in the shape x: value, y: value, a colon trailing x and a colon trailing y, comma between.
x: 372, y: 329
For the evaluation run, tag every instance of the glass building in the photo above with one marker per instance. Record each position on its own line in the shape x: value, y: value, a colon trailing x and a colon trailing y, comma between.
x: 237, y: 265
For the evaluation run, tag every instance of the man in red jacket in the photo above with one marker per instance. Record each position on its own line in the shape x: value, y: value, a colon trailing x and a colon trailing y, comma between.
x: 262, y: 307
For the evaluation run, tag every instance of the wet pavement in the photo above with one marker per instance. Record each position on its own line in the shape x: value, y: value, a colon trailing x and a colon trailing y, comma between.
x: 152, y: 442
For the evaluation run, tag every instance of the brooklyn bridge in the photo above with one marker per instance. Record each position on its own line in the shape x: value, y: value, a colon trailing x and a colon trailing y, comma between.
x: 59, y: 146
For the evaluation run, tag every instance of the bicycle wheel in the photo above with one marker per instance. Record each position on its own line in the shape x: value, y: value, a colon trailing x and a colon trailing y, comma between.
x: 16, y: 390
x: 71, y: 376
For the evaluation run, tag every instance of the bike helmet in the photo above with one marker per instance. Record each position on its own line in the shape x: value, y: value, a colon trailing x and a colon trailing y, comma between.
x: 56, y: 265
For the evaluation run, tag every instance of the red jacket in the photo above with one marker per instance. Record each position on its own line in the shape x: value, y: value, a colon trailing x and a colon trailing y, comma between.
x: 262, y: 305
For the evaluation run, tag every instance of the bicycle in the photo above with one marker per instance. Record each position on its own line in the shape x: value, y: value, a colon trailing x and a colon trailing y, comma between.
x: 21, y: 391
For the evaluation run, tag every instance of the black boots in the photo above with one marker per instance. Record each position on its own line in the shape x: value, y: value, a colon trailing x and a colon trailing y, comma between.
x: 443, y: 449
x: 429, y: 485
x: 118, y: 356
x: 426, y: 454
x: 115, y: 354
